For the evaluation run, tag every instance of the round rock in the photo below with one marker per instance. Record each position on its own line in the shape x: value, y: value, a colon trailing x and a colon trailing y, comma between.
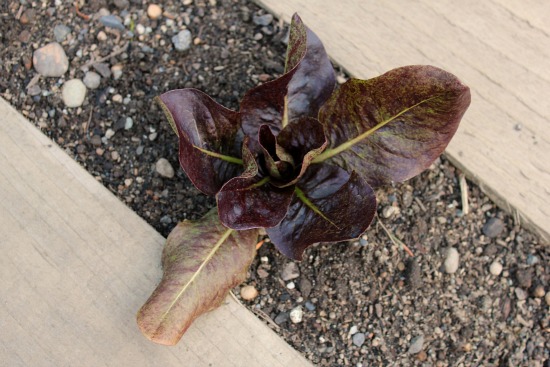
x: 73, y: 93
x: 182, y: 40
x: 50, y: 60
x: 493, y: 228
x: 154, y: 11
x: 164, y: 168
x: 452, y: 260
x: 248, y: 293
x: 92, y: 80
x: 495, y: 268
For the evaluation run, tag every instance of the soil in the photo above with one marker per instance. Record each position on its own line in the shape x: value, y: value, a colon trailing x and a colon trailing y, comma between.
x: 364, y: 303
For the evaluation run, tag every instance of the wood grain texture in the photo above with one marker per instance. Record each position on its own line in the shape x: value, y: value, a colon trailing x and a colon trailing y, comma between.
x: 499, y: 48
x: 77, y: 264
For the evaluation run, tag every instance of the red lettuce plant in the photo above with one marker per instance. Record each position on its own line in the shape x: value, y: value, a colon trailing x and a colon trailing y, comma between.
x: 301, y: 159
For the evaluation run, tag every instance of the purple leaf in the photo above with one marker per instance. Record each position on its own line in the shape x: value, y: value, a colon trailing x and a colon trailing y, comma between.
x: 392, y: 127
x: 307, y: 83
x: 324, y: 213
x: 201, y: 262
x: 314, y: 80
x: 203, y: 124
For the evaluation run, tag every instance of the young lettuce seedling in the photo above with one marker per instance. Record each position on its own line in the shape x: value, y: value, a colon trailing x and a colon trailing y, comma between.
x: 301, y: 158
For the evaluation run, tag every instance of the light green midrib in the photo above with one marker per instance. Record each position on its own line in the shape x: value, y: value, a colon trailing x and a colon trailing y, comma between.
x: 196, y: 274
x: 223, y: 157
x: 302, y: 196
x: 329, y: 153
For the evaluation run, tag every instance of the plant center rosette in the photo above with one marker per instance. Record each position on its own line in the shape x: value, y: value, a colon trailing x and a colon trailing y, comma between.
x: 301, y: 157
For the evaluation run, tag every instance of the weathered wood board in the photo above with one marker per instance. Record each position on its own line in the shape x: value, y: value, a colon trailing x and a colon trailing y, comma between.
x: 76, y: 264
x: 500, y: 48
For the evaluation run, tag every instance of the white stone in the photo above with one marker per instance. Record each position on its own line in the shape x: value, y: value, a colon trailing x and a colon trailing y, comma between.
x: 164, y: 168
x: 140, y: 29
x: 495, y: 268
x: 92, y: 80
x: 291, y: 285
x: 452, y: 260
x: 109, y: 133
x: 50, y: 60
x: 182, y: 40
x: 128, y: 123
x: 296, y: 315
x: 73, y: 93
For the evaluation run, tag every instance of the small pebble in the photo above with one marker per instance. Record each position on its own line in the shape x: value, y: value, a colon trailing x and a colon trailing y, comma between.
x: 117, y: 71
x: 101, y: 36
x: 92, y: 80
x: 73, y: 93
x: 262, y: 20
x: 422, y: 356
x: 182, y: 40
x: 109, y: 133
x: 495, y: 268
x: 417, y: 344
x: 28, y: 16
x: 128, y: 182
x: 154, y: 11
x: 128, y: 123
x: 452, y: 260
x: 532, y: 259
x: 281, y: 318
x: 164, y: 168
x: 296, y: 315
x: 520, y: 294
x: 248, y: 293
x: 493, y: 228
x: 358, y: 339
x: 291, y: 285
x: 60, y: 32
x: 310, y: 306
x: 353, y: 330
x: 290, y: 271
x: 539, y: 291
x: 121, y: 4
x: 50, y: 60
x: 389, y: 211
x: 117, y: 98
x: 547, y: 299
x: 111, y: 21
x: 140, y: 29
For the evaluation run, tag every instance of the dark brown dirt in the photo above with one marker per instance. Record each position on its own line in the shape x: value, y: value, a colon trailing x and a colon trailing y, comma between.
x: 364, y: 303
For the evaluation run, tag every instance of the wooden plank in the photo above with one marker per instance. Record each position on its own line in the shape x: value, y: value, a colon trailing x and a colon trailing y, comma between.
x: 500, y: 48
x: 77, y: 264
